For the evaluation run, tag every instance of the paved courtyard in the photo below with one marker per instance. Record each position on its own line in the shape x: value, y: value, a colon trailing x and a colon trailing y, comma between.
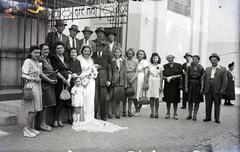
x: 144, y: 134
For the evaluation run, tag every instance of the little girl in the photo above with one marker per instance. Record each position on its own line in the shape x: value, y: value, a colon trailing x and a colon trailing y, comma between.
x: 77, y: 99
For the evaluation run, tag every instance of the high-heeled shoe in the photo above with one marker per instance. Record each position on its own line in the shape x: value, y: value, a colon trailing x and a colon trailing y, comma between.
x: 60, y: 124
x: 28, y: 133
x: 124, y: 114
x: 130, y: 114
x: 167, y: 116
x: 55, y: 124
x: 109, y: 116
x: 175, y: 117
x: 45, y: 128
x: 189, y: 117
x: 151, y: 116
x: 194, y: 118
x: 156, y: 115
x: 35, y: 131
x: 117, y: 116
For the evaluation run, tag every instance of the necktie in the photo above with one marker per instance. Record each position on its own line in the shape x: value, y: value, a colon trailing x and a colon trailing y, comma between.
x: 99, y: 54
x: 73, y: 43
x: 60, y: 37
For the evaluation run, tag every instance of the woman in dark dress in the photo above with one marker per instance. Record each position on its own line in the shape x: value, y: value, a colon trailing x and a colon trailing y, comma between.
x: 59, y: 63
x: 171, y: 74
x: 194, y: 86
x: 48, y: 93
x: 75, y: 68
x: 230, y: 91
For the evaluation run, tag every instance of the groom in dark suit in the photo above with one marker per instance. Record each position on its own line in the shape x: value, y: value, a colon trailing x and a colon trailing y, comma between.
x: 215, y: 83
x: 103, y: 80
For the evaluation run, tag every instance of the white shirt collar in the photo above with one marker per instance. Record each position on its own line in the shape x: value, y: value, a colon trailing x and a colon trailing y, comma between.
x: 217, y: 67
x: 119, y: 59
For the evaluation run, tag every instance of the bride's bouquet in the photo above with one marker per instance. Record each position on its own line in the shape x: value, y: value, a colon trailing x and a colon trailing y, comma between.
x: 90, y: 73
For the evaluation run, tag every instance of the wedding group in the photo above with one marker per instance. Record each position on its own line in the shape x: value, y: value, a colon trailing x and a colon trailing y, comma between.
x: 94, y: 82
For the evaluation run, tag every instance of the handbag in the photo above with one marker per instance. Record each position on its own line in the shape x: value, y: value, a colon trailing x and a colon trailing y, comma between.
x: 65, y: 95
x: 144, y: 100
x: 28, y: 94
x: 129, y: 91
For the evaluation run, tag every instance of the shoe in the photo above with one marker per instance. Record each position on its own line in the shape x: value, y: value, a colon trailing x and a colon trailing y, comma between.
x: 55, y: 124
x: 45, y: 128
x: 194, y: 118
x: 95, y: 116
x: 217, y: 121
x: 70, y: 121
x: 230, y: 104
x: 124, y: 114
x: 28, y: 133
x: 151, y: 116
x: 117, y: 116
x: 206, y: 119
x: 183, y: 107
x: 60, y: 124
x: 225, y: 103
x: 104, y: 118
x: 175, y: 117
x: 136, y: 114
x: 167, y: 116
x: 156, y: 115
x: 35, y: 131
x: 109, y: 116
x: 130, y: 114
x: 189, y: 117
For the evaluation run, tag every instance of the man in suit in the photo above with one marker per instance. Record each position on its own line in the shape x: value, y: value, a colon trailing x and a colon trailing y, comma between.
x: 215, y: 83
x: 111, y: 44
x: 58, y: 35
x: 87, y: 32
x: 72, y: 41
x: 188, y: 58
x: 100, y: 35
x: 103, y: 80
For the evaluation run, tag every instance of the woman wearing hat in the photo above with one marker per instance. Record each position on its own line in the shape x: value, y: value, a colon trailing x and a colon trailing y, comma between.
x: 230, y: 91
x: 194, y: 86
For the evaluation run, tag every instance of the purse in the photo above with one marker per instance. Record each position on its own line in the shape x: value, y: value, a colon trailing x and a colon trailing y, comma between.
x: 129, y: 91
x: 65, y: 95
x: 28, y: 94
x: 144, y: 100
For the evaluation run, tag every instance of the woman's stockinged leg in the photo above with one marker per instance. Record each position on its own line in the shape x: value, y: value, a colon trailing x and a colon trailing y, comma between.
x: 175, y: 105
x: 168, y: 108
x: 152, y: 105
x: 190, y: 107
x: 130, y: 104
x: 156, y: 105
x: 196, y: 107
x: 43, y: 117
x: 135, y: 102
x: 31, y: 116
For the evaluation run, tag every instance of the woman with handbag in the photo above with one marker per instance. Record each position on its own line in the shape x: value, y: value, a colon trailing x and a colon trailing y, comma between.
x: 131, y: 78
x: 194, y: 82
x: 32, y: 101
x: 59, y: 63
x: 48, y: 93
x: 118, y: 81
x: 155, y: 80
x: 171, y: 74
x: 142, y: 79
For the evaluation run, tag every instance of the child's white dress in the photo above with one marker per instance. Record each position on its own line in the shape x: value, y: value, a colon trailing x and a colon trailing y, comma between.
x: 78, y: 96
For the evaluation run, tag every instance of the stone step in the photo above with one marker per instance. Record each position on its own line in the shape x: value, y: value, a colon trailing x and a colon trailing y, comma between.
x: 14, y: 106
x: 7, y: 118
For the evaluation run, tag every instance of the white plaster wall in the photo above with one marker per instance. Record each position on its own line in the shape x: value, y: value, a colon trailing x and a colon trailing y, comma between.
x: 223, y: 35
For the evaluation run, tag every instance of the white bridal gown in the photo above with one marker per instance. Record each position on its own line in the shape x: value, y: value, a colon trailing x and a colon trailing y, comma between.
x: 91, y: 124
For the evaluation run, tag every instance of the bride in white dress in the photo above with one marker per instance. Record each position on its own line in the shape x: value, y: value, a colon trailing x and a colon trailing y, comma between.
x: 91, y: 124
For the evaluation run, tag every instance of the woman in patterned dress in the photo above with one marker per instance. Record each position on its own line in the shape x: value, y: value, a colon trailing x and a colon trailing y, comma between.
x: 131, y: 76
x: 31, y: 72
x: 142, y: 78
x: 230, y: 91
x: 155, y: 80
x: 48, y: 94
x: 194, y: 86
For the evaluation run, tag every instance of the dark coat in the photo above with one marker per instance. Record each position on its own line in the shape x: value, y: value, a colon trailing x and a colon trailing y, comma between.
x: 68, y: 46
x: 52, y: 37
x: 118, y: 75
x: 104, y: 72
x: 220, y: 79
x: 230, y: 91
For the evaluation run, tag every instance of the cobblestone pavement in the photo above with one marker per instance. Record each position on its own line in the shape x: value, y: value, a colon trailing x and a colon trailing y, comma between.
x: 144, y: 134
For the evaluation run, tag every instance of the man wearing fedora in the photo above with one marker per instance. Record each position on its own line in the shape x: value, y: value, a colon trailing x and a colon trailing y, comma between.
x: 58, y: 35
x: 100, y: 31
x: 73, y: 42
x: 111, y: 44
x: 103, y: 80
x: 215, y: 83
x: 87, y: 32
x: 188, y: 58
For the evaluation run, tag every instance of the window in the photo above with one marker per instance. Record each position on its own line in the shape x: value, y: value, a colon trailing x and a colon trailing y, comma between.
x: 180, y: 6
